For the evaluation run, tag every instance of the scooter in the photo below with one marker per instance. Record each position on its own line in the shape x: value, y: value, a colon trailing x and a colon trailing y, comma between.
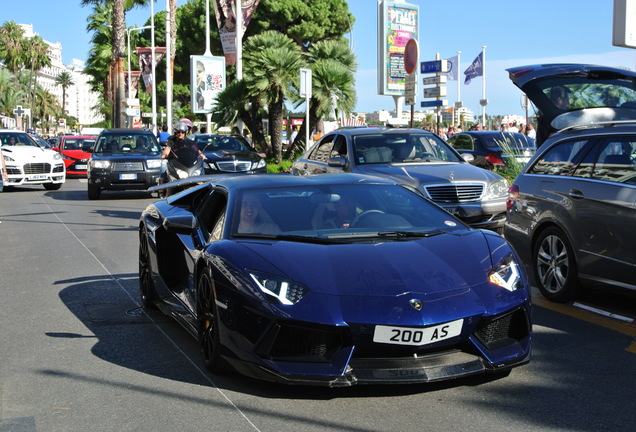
x: 189, y: 164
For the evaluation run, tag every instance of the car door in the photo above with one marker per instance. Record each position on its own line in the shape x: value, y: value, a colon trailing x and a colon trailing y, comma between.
x: 317, y: 160
x: 603, y: 193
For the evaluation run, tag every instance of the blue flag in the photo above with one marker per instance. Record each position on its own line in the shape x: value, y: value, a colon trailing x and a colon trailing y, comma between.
x: 475, y: 69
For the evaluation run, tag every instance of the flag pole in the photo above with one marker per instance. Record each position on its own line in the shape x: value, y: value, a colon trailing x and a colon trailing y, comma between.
x: 459, y: 99
x: 483, y: 86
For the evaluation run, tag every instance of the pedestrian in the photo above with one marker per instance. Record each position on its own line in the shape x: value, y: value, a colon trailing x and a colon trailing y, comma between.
x: 513, y: 127
x: 5, y: 176
x: 163, y: 135
x: 246, y: 135
x: 531, y: 132
x: 522, y: 128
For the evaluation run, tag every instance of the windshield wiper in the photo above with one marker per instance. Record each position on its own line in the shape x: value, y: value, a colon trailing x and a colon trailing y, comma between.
x: 410, y: 233
x: 285, y: 237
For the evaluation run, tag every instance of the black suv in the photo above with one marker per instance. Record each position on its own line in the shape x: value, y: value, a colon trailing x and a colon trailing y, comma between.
x: 123, y: 159
x: 571, y: 211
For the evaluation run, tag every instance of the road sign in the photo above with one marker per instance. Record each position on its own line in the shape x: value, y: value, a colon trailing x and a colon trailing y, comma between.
x: 132, y: 102
x: 434, y: 80
x: 411, y: 54
x: 305, y: 83
x: 434, y: 66
x: 19, y: 111
x: 62, y: 121
x: 435, y: 103
x: 435, y: 92
x: 134, y: 112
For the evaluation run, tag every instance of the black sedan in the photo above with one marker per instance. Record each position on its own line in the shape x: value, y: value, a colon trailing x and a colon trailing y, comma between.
x: 496, y: 148
x: 332, y: 280
x: 416, y: 158
x: 229, y: 154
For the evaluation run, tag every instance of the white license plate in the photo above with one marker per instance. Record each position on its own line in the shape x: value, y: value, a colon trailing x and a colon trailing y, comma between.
x: 417, y: 336
x: 37, y: 177
x: 82, y: 167
x: 127, y: 176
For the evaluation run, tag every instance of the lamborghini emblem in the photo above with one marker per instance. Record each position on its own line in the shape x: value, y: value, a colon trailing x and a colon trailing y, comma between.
x: 417, y: 304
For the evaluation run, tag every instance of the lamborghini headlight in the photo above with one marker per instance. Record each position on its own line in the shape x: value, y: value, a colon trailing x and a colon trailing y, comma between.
x: 286, y: 291
x: 506, y: 275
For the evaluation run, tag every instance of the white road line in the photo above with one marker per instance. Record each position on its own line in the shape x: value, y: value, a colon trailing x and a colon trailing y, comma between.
x: 603, y: 312
x: 206, y: 376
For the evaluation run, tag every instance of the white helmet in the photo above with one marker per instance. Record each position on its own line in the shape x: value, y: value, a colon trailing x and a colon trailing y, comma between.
x: 180, y: 126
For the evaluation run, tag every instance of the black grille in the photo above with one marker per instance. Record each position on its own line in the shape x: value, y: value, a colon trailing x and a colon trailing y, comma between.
x: 128, y: 166
x: 37, y: 168
x: 454, y: 193
x: 503, y: 330
x: 299, y: 343
x: 58, y: 168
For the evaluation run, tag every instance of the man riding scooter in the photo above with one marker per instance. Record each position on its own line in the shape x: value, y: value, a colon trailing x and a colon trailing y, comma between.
x: 182, y: 154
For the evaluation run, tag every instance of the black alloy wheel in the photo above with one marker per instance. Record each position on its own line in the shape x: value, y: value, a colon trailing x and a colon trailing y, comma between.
x: 146, y: 285
x: 554, y: 266
x: 209, y: 339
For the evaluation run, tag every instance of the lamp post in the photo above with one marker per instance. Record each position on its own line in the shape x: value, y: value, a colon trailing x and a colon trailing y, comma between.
x: 128, y: 41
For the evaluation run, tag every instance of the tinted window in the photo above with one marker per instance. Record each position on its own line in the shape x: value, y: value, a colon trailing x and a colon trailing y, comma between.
x: 560, y: 159
x: 613, y: 159
x: 407, y: 147
x: 77, y: 143
x: 127, y: 142
x: 462, y: 142
x: 216, y: 143
x: 322, y: 152
x: 16, y: 139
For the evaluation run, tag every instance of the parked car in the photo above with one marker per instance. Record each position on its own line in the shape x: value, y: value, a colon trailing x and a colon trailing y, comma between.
x: 123, y: 159
x: 73, y: 150
x: 260, y: 270
x: 494, y: 146
x: 28, y: 163
x: 417, y: 158
x: 572, y: 210
x: 229, y: 153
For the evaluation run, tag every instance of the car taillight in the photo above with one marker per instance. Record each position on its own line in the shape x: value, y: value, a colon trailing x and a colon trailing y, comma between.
x: 494, y: 159
x: 513, y: 194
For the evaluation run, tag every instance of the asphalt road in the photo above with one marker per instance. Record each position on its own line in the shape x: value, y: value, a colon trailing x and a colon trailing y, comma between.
x: 78, y: 354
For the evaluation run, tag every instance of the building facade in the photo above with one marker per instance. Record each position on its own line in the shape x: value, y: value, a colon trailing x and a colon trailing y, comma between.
x: 81, y: 101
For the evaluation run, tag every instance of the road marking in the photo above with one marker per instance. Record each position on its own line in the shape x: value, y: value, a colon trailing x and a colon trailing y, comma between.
x: 603, y: 312
x: 589, y: 316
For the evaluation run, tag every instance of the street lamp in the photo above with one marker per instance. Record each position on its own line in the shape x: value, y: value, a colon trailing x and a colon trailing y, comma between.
x: 128, y: 41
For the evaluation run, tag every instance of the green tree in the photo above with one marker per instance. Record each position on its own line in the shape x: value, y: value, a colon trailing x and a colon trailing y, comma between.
x: 65, y: 80
x: 36, y: 55
x: 11, y: 46
x: 272, y: 61
x: 46, y: 107
x: 10, y: 93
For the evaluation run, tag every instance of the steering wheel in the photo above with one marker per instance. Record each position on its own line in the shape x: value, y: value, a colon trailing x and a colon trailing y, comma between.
x: 360, y: 216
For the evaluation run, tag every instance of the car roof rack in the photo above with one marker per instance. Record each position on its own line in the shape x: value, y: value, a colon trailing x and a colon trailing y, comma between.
x: 608, y: 123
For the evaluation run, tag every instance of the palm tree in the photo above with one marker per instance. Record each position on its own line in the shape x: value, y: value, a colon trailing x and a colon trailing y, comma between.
x: 36, y: 53
x: 272, y: 61
x: 65, y: 80
x: 10, y: 94
x: 47, y: 106
x: 11, y: 47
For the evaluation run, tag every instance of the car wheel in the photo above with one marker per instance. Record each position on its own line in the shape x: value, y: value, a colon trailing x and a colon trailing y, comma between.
x: 146, y: 285
x: 209, y: 339
x: 52, y: 186
x: 93, y: 192
x: 555, y: 266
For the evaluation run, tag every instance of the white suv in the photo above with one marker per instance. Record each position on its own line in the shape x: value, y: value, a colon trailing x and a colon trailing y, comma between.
x: 29, y: 164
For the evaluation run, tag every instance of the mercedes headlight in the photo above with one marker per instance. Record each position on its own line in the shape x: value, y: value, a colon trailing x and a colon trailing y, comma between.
x: 498, y: 189
x: 506, y: 275
x: 153, y: 163
x: 260, y: 164
x: 286, y: 291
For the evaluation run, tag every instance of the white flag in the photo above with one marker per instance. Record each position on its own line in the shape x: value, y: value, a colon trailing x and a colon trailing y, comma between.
x: 451, y: 75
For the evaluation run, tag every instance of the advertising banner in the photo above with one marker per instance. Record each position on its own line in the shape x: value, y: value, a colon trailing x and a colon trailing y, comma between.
x: 145, y: 64
x: 226, y: 20
x: 397, y: 23
x: 207, y: 80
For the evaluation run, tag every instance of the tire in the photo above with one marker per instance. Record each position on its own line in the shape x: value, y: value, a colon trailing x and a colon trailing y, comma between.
x: 52, y: 186
x: 146, y: 284
x: 94, y: 192
x: 209, y: 339
x: 554, y: 265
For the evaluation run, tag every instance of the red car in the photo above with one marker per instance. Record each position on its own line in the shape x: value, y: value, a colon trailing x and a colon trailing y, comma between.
x: 75, y: 159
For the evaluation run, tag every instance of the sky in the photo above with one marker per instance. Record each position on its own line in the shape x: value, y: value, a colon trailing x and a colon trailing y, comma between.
x: 514, y: 32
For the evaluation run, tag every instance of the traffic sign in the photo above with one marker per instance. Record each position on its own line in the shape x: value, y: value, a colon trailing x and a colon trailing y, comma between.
x: 434, y: 66
x: 435, y: 103
x: 434, y: 80
x: 435, y: 92
x: 411, y: 54
x: 410, y: 88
